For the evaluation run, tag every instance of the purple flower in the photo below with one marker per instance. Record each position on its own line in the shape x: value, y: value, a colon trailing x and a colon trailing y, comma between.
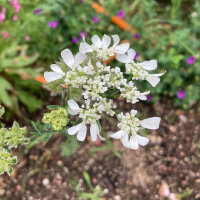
x: 121, y: 14
x: 80, y: 1
x: 136, y: 55
x: 75, y: 40
x: 136, y: 36
x: 181, y: 94
x: 83, y: 34
x: 149, y: 97
x: 190, y: 60
x: 95, y: 20
x: 53, y: 24
x: 37, y: 11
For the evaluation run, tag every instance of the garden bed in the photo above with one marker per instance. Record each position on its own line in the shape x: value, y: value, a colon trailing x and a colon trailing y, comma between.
x: 171, y: 160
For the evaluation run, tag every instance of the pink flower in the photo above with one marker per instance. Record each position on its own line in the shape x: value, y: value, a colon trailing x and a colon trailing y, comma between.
x: 190, y: 60
x: 75, y: 40
x: 53, y: 24
x: 15, y: 18
x: 83, y: 34
x: 121, y: 14
x: 136, y: 36
x: 17, y: 8
x: 5, y: 34
x: 181, y: 94
x: 14, y: 2
x: 37, y: 11
x: 172, y: 196
x: 27, y: 38
x: 2, y: 17
x: 95, y: 20
x: 136, y: 55
x: 4, y: 10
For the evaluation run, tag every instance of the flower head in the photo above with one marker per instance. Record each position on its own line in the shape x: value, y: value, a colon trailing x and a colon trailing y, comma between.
x: 136, y: 36
x: 121, y: 14
x: 53, y: 24
x: 5, y: 34
x: 95, y: 20
x: 75, y: 40
x: 37, y: 11
x: 190, y: 60
x: 181, y: 94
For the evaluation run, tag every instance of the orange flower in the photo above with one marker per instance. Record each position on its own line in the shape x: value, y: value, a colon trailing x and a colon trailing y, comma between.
x: 98, y: 8
x: 40, y: 79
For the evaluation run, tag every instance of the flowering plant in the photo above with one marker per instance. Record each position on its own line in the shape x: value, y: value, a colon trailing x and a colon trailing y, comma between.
x: 10, y: 138
x: 100, y: 85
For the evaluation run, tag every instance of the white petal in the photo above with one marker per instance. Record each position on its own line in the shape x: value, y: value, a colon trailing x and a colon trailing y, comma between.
x: 143, y: 97
x: 131, y: 54
x: 96, y: 41
x: 75, y: 129
x: 72, y: 112
x: 125, y: 141
x: 142, y: 140
x: 85, y: 48
x: 122, y: 48
x: 106, y: 40
x: 52, y: 76
x: 149, y: 65
x: 82, y: 133
x: 115, y: 40
x: 133, y: 144
x: 57, y: 69
x: 79, y: 58
x: 133, y: 112
x: 67, y: 57
x: 73, y: 104
x: 123, y: 58
x: 117, y: 135
x: 161, y: 74
x: 151, y: 123
x: 153, y: 80
x: 94, y: 131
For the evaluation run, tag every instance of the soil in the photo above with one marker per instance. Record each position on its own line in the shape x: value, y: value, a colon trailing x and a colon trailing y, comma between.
x: 168, y: 165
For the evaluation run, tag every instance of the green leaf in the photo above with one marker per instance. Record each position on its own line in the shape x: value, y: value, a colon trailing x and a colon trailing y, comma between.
x: 88, y: 180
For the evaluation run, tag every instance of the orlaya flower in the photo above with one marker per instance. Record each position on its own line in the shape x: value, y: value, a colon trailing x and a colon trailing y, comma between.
x: 130, y: 125
x: 81, y: 128
x: 101, y: 47
x: 139, y: 70
x: 69, y: 60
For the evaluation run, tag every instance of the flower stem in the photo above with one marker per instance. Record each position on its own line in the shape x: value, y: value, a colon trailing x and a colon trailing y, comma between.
x: 63, y: 97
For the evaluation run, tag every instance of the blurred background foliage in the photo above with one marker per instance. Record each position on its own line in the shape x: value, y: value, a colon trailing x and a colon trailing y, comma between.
x: 33, y: 33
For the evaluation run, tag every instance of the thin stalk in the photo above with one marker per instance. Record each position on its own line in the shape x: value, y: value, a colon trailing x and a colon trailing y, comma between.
x: 63, y: 95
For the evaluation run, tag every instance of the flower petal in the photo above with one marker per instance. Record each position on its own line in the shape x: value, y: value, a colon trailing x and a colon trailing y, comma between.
x: 85, y: 48
x: 125, y: 141
x: 133, y: 144
x: 67, y: 57
x: 142, y: 140
x: 153, y: 80
x: 123, y: 58
x: 106, y: 40
x: 131, y: 54
x: 160, y: 74
x: 52, y: 76
x: 133, y: 112
x: 75, y: 129
x: 79, y: 58
x: 115, y: 40
x: 151, y: 123
x: 57, y: 69
x: 94, y: 131
x: 96, y: 41
x: 122, y: 48
x: 117, y: 135
x: 149, y: 65
x: 72, y: 112
x: 82, y: 133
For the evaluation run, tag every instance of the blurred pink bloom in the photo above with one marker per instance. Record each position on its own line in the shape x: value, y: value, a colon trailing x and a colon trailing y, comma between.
x: 181, y: 94
x: 190, y: 60
x: 95, y: 20
x: 17, y: 8
x: 37, y: 11
x: 27, y: 38
x: 121, y: 14
x: 172, y: 196
x: 15, y: 18
x: 136, y: 55
x: 136, y: 36
x: 75, y: 40
x: 149, y: 97
x: 14, y: 2
x: 4, y: 10
x: 5, y: 34
x: 2, y: 17
x: 53, y: 24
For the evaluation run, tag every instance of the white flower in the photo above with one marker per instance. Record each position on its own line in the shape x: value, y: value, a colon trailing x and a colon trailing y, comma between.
x: 130, y: 125
x: 55, y: 75
x: 72, y: 61
x: 101, y: 48
x: 89, y: 117
x: 139, y: 70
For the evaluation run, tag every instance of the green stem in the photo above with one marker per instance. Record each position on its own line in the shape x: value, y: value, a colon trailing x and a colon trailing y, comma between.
x: 63, y: 97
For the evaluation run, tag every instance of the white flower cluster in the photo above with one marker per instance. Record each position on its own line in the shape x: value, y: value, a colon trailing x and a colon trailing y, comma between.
x: 101, y: 83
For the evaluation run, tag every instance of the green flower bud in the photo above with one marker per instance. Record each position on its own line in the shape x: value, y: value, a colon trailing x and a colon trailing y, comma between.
x: 57, y: 118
